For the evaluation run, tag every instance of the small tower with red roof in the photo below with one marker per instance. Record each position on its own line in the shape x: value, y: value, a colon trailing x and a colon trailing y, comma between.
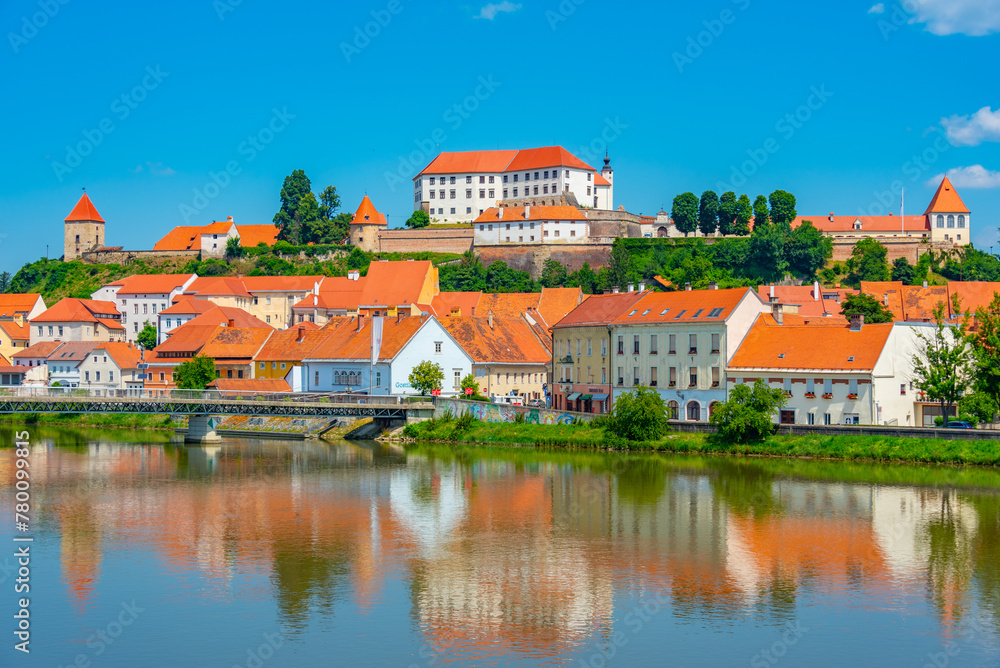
x: 84, y: 229
x: 367, y: 226
x: 948, y: 217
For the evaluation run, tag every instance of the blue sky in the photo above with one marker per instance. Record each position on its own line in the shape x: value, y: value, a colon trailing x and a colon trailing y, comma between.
x: 838, y: 103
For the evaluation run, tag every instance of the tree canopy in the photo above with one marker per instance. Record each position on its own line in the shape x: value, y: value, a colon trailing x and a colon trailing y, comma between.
x: 867, y: 262
x: 942, y: 368
x: 866, y: 305
x: 417, y: 219
x: 426, y: 376
x: 727, y: 212
x: 303, y: 218
x: 747, y: 415
x: 147, y: 336
x: 195, y: 374
x: 708, y: 212
x: 684, y: 212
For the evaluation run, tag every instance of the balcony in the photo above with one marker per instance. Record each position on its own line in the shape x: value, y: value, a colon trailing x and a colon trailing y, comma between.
x: 565, y: 360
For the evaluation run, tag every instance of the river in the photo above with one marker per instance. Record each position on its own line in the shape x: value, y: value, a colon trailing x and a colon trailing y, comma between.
x: 263, y: 553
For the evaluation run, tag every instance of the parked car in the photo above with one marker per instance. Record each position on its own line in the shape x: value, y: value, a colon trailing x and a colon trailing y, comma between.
x: 537, y: 402
x: 958, y: 424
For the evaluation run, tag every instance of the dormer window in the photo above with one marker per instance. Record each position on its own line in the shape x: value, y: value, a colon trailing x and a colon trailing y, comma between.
x: 851, y: 358
x: 857, y: 224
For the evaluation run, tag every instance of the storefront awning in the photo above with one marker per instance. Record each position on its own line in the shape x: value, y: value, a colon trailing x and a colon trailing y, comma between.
x: 600, y: 397
x: 573, y: 397
x: 587, y: 397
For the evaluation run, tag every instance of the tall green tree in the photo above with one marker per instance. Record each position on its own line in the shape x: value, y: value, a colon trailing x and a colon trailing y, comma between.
x: 748, y: 414
x: 233, y: 248
x: 806, y: 250
x: 766, y: 255
x: 761, y: 215
x: 782, y: 208
x: 295, y: 187
x: 554, y: 274
x: 418, y: 219
x: 744, y: 212
x: 868, y: 262
x: 195, y: 374
x: 147, y: 336
x: 942, y: 367
x: 639, y: 415
x: 585, y: 278
x: 621, y: 265
x: 903, y: 271
x: 684, y: 212
x: 861, y: 304
x: 727, y: 212
x: 985, y: 341
x: 708, y: 212
x: 426, y: 376
x: 4, y: 281
x: 329, y: 203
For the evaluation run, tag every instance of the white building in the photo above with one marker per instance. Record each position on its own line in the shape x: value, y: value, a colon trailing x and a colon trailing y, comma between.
x: 140, y: 298
x: 459, y: 187
x: 73, y: 319
x: 531, y: 225
x: 111, y: 366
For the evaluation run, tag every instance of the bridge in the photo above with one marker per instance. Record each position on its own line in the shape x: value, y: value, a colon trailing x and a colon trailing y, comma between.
x: 202, y: 407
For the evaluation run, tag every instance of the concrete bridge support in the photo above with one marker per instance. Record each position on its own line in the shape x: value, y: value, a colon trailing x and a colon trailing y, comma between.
x: 201, y: 429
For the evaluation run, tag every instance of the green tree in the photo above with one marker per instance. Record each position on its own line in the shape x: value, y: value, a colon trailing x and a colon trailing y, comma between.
x: 869, y: 262
x: 329, y: 203
x: 684, y: 212
x: 585, y: 278
x: 985, y: 342
x: 621, y: 266
x: 806, y: 250
x: 358, y: 259
x: 639, y: 415
x: 744, y: 212
x: 554, y: 274
x: 942, y: 367
x: 233, y: 248
x: 782, y: 208
x: 747, y: 415
x: 469, y: 383
x: 418, y: 219
x: 4, y: 281
x: 708, y: 212
x: 502, y: 278
x: 903, y: 271
x: 288, y: 220
x: 426, y: 376
x: 727, y: 212
x: 761, y: 216
x: 766, y: 255
x: 866, y: 305
x: 196, y: 374
x: 147, y: 337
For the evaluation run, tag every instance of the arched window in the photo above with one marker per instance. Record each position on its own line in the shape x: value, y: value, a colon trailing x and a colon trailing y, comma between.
x: 673, y: 409
x: 711, y: 408
x: 661, y: 231
x: 694, y: 410
x: 961, y: 221
x: 940, y: 220
x: 951, y: 220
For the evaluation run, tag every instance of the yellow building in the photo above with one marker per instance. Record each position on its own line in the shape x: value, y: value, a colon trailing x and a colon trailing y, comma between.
x: 14, y: 336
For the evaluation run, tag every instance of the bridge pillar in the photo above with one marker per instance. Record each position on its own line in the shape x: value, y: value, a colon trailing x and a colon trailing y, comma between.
x: 201, y: 429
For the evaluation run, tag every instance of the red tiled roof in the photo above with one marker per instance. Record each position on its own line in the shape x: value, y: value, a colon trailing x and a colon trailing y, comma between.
x: 180, y: 238
x: 7, y: 368
x: 910, y: 302
x: 221, y: 315
x: 187, y: 304
x: 367, y: 214
x: 471, y: 162
x: 217, y: 286
x: 330, y: 300
x: 811, y: 347
x: 946, y: 200
x: 84, y: 210
x: 509, y: 341
x: 125, y: 355
x: 887, y: 224
x: 685, y: 306
x: 466, y: 302
x: 15, y: 331
x: 236, y: 343
x: 345, y: 342
x: 281, y: 283
x: 394, y: 283
x: 12, y: 304
x: 516, y: 213
x: 250, y: 385
x: 40, y: 350
x: 555, y: 303
x: 972, y: 294
x: 601, y: 181
x: 547, y: 156
x: 285, y: 346
x: 600, y: 309
x: 153, y: 284
x: 186, y: 339
x: 804, y: 296
x: 72, y: 351
x: 508, y: 304
x: 70, y: 309
x: 219, y: 227
x: 253, y: 235
x: 308, y: 326
x: 4, y: 362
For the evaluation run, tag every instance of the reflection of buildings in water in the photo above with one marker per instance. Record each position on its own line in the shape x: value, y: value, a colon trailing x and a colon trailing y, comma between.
x: 202, y: 459
x: 428, y: 500
x: 80, y: 554
x: 502, y: 582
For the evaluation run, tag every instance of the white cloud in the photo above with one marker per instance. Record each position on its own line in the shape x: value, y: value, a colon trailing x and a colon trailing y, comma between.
x: 984, y: 125
x: 975, y: 176
x: 159, y: 169
x: 877, y: 9
x: 956, y: 17
x: 137, y: 169
x: 491, y: 10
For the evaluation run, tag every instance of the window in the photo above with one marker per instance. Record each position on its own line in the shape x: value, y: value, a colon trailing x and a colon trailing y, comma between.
x: 811, y: 418
x: 263, y: 365
x: 692, y: 344
x: 268, y: 319
x: 378, y: 379
x: 40, y: 330
x: 826, y: 419
x: 590, y: 347
x: 961, y: 221
x: 451, y: 193
x: 97, y: 376
x: 468, y: 193
x: 652, y: 376
x: 482, y: 192
x: 437, y: 347
x: 515, y: 192
x: 492, y: 193
x: 505, y: 193
x: 468, y: 209
x: 715, y: 313
x: 635, y: 376
x: 111, y: 376
x: 316, y: 379
x: 453, y: 210
x: 535, y: 189
x: 60, y: 330
x: 940, y: 223
x: 715, y: 376
x: 715, y: 343
x: 432, y: 197
x: 604, y: 346
x: 458, y: 378
x: 673, y: 376
x: 693, y: 410
x: 902, y: 389
x: 951, y: 220
x: 672, y: 344
x: 86, y: 376
x: 635, y: 344
x: 604, y: 375
x: 282, y: 365
x: 621, y: 345
x: 653, y: 345
x: 145, y: 309
x: 452, y: 180
x: 491, y: 180
x: 579, y: 347
x: 621, y: 375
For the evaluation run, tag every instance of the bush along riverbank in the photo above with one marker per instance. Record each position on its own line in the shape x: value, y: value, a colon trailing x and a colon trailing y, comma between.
x: 103, y: 420
x: 466, y: 430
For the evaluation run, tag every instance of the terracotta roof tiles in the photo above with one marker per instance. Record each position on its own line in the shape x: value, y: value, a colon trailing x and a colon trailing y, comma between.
x: 236, y: 343
x: 153, y: 284
x: 600, y: 309
x: 685, y: 306
x: 345, y: 342
x: 84, y: 210
x: 517, y: 213
x: 12, y: 304
x: 15, y: 331
x: 295, y: 345
x: 811, y: 347
x: 40, y: 350
x: 367, y: 214
x: 70, y: 309
x: 253, y: 235
x: 946, y: 200
x: 125, y: 355
x: 509, y: 341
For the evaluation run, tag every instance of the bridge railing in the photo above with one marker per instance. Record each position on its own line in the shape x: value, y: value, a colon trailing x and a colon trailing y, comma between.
x: 138, y: 394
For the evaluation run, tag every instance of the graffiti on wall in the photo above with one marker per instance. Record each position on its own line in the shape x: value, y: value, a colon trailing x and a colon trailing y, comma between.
x: 488, y: 412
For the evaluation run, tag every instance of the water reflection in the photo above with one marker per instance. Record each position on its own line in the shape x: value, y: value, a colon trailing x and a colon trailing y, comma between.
x: 512, y: 553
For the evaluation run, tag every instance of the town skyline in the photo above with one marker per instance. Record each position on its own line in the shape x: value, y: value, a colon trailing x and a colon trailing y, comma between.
x: 164, y: 128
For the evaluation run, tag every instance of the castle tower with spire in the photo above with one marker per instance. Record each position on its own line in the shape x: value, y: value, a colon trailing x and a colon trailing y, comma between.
x: 84, y: 229
x: 367, y: 226
x: 948, y: 217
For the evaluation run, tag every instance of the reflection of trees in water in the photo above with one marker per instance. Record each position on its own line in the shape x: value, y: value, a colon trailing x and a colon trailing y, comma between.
x: 746, y: 488
x: 986, y: 553
x: 949, y: 535
x: 641, y: 481
x: 307, y: 575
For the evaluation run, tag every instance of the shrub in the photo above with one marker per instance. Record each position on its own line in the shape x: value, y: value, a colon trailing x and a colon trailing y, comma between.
x: 639, y: 415
x: 464, y: 421
x: 746, y: 415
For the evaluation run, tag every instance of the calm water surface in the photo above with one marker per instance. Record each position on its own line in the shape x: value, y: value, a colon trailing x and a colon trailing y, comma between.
x: 272, y: 553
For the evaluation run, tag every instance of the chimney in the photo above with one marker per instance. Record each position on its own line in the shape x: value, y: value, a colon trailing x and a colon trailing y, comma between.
x: 316, y: 288
x: 301, y: 336
x: 713, y: 286
x: 687, y: 287
x: 399, y: 316
x: 490, y: 317
x: 631, y: 286
x: 642, y: 286
x: 925, y: 285
x: 831, y: 216
x: 230, y: 219
x: 614, y: 289
x: 527, y: 211
x: 231, y: 323
x: 857, y: 322
x: 473, y: 310
x: 778, y: 312
x: 500, y: 213
x: 816, y: 290
x: 361, y: 321
x: 772, y: 291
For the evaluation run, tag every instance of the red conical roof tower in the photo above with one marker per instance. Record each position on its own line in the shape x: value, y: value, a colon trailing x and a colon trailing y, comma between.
x: 84, y: 210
